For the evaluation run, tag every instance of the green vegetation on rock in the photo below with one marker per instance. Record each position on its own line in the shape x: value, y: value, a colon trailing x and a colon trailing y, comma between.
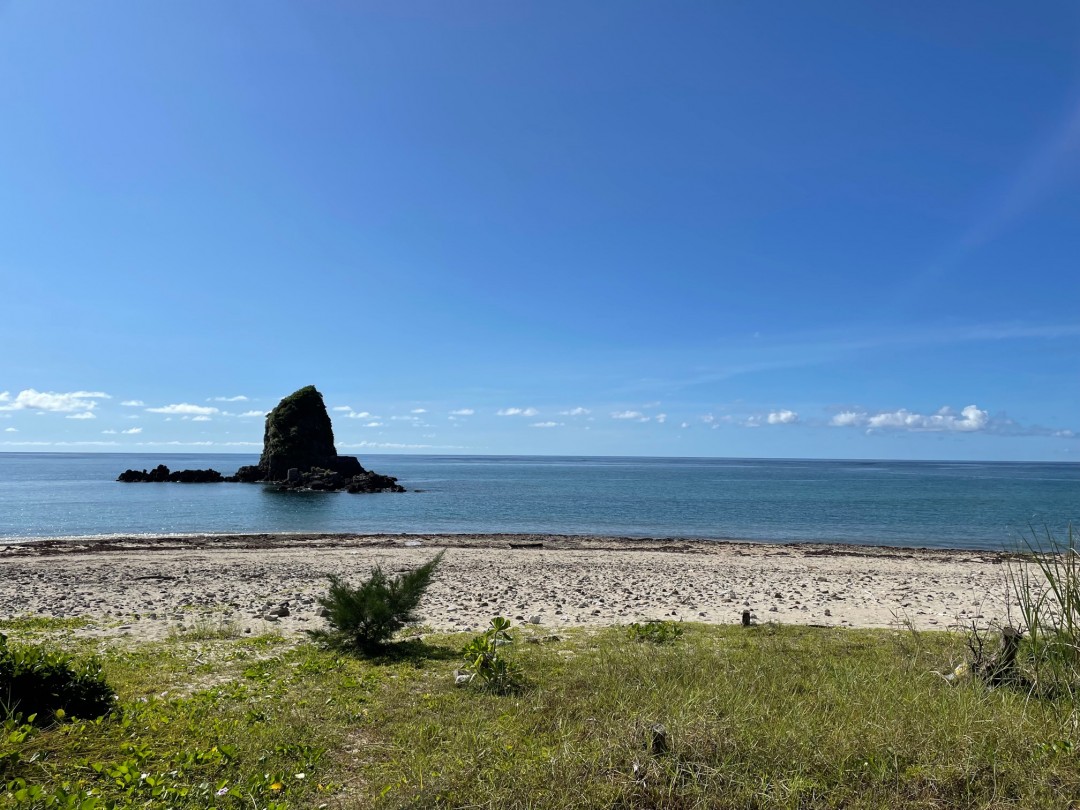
x: 298, y: 434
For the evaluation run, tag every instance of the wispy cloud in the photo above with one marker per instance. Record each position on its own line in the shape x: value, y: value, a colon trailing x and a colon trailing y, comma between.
x: 11, y: 430
x: 132, y: 431
x: 661, y: 418
x: 546, y: 424
x: 579, y: 411
x: 200, y: 418
x: 133, y: 403
x: 237, y: 398
x: 83, y: 415
x: 775, y: 417
x: 635, y: 415
x: 185, y: 409
x: 517, y: 412
x: 418, y: 410
x: 398, y: 446
x: 463, y: 412
x: 51, y: 401
x: 251, y: 413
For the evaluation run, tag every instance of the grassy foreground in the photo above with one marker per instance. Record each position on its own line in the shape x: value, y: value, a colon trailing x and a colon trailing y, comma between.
x: 761, y: 717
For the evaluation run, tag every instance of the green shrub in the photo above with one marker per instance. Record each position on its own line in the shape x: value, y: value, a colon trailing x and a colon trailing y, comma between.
x: 483, y: 659
x: 1046, y: 583
x: 365, y: 618
x: 50, y: 685
x: 656, y: 631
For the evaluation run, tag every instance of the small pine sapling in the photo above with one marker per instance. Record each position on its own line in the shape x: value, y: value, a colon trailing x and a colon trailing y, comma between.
x: 365, y: 618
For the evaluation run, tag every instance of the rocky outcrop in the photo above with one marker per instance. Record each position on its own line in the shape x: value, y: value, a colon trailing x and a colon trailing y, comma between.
x: 298, y: 453
x: 299, y: 436
x: 161, y: 474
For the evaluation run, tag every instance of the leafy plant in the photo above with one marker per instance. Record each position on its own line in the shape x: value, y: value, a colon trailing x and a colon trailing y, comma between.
x: 1046, y: 583
x: 365, y: 618
x: 656, y: 631
x: 49, y: 685
x: 484, y: 660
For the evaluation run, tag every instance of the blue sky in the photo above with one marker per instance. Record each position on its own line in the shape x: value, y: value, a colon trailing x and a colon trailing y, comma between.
x: 714, y: 229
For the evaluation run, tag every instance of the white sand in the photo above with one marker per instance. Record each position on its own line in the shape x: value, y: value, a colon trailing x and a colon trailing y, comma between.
x: 144, y: 589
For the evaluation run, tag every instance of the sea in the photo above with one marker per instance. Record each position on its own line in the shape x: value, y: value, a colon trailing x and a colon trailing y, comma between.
x: 933, y: 504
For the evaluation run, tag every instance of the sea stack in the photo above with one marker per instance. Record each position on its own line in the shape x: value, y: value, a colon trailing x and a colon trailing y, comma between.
x: 299, y: 453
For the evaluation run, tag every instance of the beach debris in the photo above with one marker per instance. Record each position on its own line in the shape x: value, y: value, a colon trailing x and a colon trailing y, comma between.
x: 658, y: 740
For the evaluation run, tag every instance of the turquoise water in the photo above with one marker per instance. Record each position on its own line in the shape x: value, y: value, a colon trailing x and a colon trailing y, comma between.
x: 900, y: 503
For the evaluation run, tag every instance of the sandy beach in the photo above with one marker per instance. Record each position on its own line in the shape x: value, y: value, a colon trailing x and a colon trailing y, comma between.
x: 146, y: 589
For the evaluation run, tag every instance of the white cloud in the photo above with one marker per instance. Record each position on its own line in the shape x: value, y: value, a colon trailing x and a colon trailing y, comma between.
x: 251, y: 413
x: 546, y: 424
x: 684, y: 425
x: 708, y: 419
x: 517, y: 412
x: 132, y: 431
x: 579, y: 411
x: 418, y: 410
x: 200, y: 418
x: 638, y: 415
x: 5, y: 396
x: 109, y: 432
x: 463, y: 412
x: 399, y: 446
x: 133, y: 403
x: 783, y: 418
x: 847, y: 419
x: 237, y: 398
x: 405, y: 418
x: 969, y: 420
x: 83, y: 415
x: 373, y: 424
x: 51, y: 401
x: 342, y: 408
x: 185, y: 408
x: 11, y: 430
x: 661, y: 418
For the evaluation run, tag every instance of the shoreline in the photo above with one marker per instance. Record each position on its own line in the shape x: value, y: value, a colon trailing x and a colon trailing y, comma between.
x: 32, y: 546
x: 148, y: 588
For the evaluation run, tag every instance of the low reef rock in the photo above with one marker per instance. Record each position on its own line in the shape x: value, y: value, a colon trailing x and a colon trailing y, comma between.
x: 161, y: 473
x: 298, y: 453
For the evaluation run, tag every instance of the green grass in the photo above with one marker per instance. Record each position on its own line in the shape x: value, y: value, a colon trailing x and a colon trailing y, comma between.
x: 761, y: 717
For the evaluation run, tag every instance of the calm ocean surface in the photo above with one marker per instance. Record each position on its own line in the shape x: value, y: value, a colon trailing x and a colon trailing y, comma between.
x: 901, y: 503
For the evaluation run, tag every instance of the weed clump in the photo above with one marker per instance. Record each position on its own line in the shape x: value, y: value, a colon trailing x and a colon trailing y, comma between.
x: 484, y: 660
x: 48, y: 685
x: 656, y: 631
x: 1047, y: 586
x: 364, y: 619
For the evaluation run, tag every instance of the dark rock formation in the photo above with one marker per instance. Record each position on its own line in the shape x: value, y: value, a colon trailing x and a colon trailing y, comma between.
x: 161, y: 474
x: 298, y: 453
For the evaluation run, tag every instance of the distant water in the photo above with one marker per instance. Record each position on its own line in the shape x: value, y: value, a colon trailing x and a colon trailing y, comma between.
x: 898, y: 503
